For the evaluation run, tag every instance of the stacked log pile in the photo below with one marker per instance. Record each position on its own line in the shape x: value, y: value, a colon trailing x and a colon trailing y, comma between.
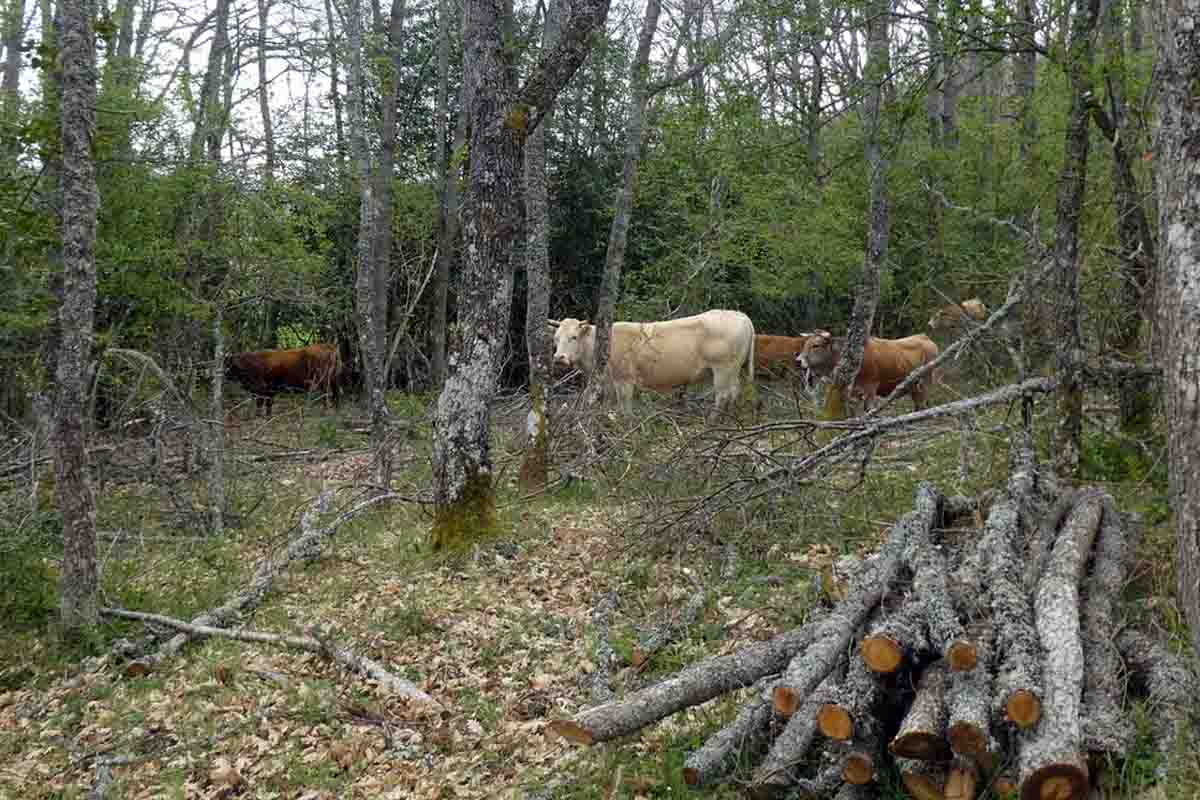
x: 972, y: 665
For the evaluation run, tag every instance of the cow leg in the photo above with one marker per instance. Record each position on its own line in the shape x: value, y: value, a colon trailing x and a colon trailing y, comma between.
x: 624, y: 392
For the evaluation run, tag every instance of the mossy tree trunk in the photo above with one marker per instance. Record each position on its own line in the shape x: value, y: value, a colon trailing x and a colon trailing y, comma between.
x: 500, y: 116
x: 867, y: 297
x: 78, y: 587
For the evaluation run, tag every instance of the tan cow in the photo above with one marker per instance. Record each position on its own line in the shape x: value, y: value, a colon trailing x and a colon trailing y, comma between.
x: 776, y: 355
x: 886, y: 362
x: 663, y: 355
x: 953, y: 316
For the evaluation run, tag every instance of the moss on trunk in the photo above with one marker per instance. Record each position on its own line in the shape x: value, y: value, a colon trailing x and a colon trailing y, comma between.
x: 469, y: 518
x: 535, y: 466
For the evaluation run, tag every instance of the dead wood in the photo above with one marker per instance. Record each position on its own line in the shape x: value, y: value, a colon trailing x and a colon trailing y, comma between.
x: 669, y: 630
x: 305, y: 547
x: 746, y: 736
x: 599, y: 691
x: 1171, y: 689
x: 1018, y: 691
x: 360, y: 664
x: 970, y: 702
x: 690, y: 686
x: 850, y: 791
x: 827, y: 781
x: 922, y: 734
x: 1043, y: 534
x: 862, y: 753
x: 895, y: 637
x: 1107, y: 728
x: 1052, y: 762
x: 780, y: 768
x: 962, y: 780
x: 928, y: 566
x: 924, y: 780
x: 874, y: 579
x: 851, y: 704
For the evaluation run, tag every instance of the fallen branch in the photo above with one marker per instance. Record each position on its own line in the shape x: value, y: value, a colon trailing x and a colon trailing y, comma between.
x: 360, y: 664
x: 600, y: 691
x: 304, y: 548
x: 745, y: 736
x: 1018, y: 692
x: 779, y: 768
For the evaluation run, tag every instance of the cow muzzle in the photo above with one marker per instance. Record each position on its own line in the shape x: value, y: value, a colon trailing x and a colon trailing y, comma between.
x: 562, y: 361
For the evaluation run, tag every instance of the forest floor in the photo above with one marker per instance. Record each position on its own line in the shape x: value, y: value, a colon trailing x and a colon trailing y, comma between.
x: 501, y: 636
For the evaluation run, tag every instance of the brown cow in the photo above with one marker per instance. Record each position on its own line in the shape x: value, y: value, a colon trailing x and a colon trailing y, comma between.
x: 777, y: 354
x: 265, y: 373
x: 953, y: 316
x: 886, y: 362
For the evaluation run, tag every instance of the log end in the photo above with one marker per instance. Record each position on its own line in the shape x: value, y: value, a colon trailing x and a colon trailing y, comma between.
x: 961, y: 656
x: 882, y: 654
x: 834, y: 721
x: 858, y: 769
x: 1057, y: 781
x: 922, y: 787
x: 1024, y: 708
x: 572, y: 731
x: 920, y: 745
x: 691, y: 776
x: 961, y: 783
x: 967, y: 739
x: 785, y: 699
x: 638, y: 658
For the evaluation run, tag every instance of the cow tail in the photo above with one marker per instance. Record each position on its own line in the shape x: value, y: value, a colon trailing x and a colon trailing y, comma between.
x: 750, y: 360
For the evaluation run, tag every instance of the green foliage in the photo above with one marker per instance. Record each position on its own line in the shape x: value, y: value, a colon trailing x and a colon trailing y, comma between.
x: 1106, y: 458
x: 28, y: 582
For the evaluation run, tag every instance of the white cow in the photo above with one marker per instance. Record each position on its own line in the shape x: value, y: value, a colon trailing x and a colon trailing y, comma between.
x: 663, y: 355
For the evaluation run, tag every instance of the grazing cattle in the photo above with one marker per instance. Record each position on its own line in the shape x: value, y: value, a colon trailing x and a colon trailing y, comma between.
x: 953, y: 316
x: 776, y: 355
x: 886, y: 362
x: 663, y: 355
x: 265, y: 373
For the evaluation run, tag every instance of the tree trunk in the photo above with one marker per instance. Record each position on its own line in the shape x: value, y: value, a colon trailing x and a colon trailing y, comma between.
x: 934, y: 101
x: 209, y: 115
x: 78, y: 587
x: 614, y: 258
x: 1176, y: 153
x: 867, y: 297
x: 952, y: 72
x: 264, y: 105
x: 500, y: 120
x: 12, y: 32
x: 536, y: 464
x: 447, y: 222
x: 216, y: 437
x: 1072, y: 184
x: 335, y: 93
x: 1018, y: 692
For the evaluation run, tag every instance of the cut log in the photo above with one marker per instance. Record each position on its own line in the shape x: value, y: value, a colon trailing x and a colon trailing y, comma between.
x: 924, y: 780
x: 873, y: 580
x: 1171, y: 690
x: 599, y: 691
x: 922, y: 734
x: 1018, y: 691
x: 691, y: 686
x: 850, y: 791
x: 970, y: 701
x: 1107, y: 728
x: 851, y: 704
x: 780, y: 768
x: 827, y: 781
x: 924, y: 558
x: 895, y: 637
x: 747, y: 735
x: 1042, y: 536
x: 669, y: 630
x: 1052, y: 762
x: 863, y: 752
x: 962, y: 780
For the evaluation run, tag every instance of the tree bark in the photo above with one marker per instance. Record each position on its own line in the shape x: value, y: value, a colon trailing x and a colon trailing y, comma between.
x: 536, y: 464
x: 11, y: 33
x: 614, y: 258
x: 500, y: 120
x: 851, y: 707
x: 448, y: 198
x: 1178, y: 186
x: 922, y: 734
x: 335, y: 89
x: 1072, y: 184
x: 895, y: 638
x: 1107, y: 728
x: 867, y: 296
x: 78, y: 586
x: 210, y: 116
x: 216, y: 434
x: 969, y: 704
x: 780, y: 769
x: 1018, y: 690
x: 745, y: 737
x: 1052, y: 760
x: 264, y: 97
x: 924, y: 559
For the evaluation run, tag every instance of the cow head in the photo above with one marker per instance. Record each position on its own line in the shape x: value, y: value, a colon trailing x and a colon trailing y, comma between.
x: 574, y: 340
x: 952, y: 316
x: 819, y: 354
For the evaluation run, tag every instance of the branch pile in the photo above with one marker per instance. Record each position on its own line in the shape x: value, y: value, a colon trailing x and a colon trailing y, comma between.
x: 948, y: 656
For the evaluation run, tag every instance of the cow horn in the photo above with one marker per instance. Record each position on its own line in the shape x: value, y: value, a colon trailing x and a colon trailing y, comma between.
x: 553, y: 323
